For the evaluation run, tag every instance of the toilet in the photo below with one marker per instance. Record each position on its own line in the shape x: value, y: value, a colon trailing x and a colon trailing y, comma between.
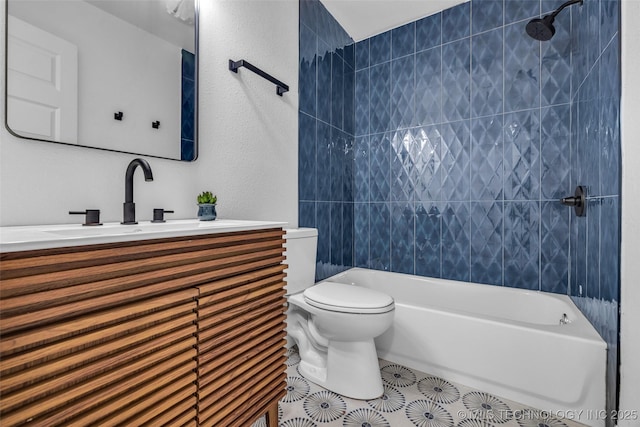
x: 333, y: 324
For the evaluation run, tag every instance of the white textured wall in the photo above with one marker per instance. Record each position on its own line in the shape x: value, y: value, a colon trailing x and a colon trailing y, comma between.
x: 630, y: 274
x: 248, y: 136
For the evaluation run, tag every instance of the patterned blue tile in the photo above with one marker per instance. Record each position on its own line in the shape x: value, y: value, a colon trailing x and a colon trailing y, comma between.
x: 380, y: 48
x: 455, y: 160
x: 610, y: 249
x: 609, y: 157
x: 380, y: 167
x: 310, y: 12
x: 361, y: 169
x: 522, y: 245
x: 402, y: 242
x: 187, y: 149
x: 578, y: 251
x: 456, y: 22
x: 348, y: 177
x: 426, y: 155
x: 487, y: 15
x: 610, y: 121
x: 187, y: 110
x: 307, y: 70
x: 336, y: 233
x: 336, y: 166
x: 456, y: 241
x: 574, y: 146
x: 556, y: 64
x: 521, y: 69
x: 362, y: 54
x: 402, y: 165
x: 349, y: 109
x: 521, y: 9
x: 380, y: 95
x: 609, y: 21
x: 362, y: 102
x: 380, y: 237
x: 361, y: 234
x: 547, y: 6
x: 486, y: 242
x: 486, y: 73
x: 350, y: 55
x: 188, y: 65
x: 428, y: 93
x: 402, y: 92
x: 323, y: 88
x: 522, y: 155
x: 323, y: 224
x: 323, y: 158
x: 486, y: 158
x: 429, y: 32
x: 337, y: 90
x: 307, y: 214
x: 593, y: 248
x: 585, y: 38
x: 555, y: 152
x: 554, y: 248
x: 306, y: 157
x: 456, y: 60
x: 589, y: 145
x: 403, y: 40
x: 610, y: 70
x: 427, y: 239
x: 348, y: 225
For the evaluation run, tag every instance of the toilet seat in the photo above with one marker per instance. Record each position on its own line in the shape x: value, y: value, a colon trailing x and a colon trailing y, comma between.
x: 345, y: 298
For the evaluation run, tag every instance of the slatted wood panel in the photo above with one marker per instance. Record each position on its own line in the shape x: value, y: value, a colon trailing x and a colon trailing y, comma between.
x: 111, y: 334
x: 241, y: 375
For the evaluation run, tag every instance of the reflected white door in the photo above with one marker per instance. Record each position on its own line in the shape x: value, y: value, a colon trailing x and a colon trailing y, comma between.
x: 42, y: 90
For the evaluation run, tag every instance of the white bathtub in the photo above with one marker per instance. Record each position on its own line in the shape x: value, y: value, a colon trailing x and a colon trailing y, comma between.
x: 505, y: 341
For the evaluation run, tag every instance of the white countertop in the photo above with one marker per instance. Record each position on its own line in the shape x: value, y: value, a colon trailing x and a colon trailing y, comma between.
x: 23, y: 238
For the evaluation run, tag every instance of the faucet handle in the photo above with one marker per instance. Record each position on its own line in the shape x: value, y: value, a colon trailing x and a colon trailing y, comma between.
x: 158, y: 215
x: 92, y: 216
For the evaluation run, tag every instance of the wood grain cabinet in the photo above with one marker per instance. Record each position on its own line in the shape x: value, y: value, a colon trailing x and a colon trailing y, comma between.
x: 176, y: 332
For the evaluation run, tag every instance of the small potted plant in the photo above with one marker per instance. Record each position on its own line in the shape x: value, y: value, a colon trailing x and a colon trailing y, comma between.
x: 207, y: 206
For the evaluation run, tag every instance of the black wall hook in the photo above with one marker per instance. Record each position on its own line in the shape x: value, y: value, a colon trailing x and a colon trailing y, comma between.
x: 155, y: 125
x: 118, y: 115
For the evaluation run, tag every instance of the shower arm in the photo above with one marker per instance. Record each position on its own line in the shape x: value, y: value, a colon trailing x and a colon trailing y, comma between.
x: 562, y: 6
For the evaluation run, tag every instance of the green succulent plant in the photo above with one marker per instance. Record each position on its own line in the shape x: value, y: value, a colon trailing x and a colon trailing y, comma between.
x: 206, y: 197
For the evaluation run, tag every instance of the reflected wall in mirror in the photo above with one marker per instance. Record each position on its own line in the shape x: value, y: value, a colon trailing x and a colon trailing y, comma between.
x: 118, y: 75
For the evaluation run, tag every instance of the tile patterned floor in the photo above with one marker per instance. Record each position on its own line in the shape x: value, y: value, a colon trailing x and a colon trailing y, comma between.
x: 411, y: 398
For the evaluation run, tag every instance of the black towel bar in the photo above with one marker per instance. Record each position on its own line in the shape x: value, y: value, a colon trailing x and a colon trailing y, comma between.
x: 280, y: 87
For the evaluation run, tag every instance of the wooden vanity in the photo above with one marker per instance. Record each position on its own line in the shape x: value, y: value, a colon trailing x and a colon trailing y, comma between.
x: 176, y: 331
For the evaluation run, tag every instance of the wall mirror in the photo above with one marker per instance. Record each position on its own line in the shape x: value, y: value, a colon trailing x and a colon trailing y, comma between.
x: 117, y: 75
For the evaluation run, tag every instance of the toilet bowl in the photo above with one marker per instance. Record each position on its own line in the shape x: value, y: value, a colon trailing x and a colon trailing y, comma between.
x: 334, y: 324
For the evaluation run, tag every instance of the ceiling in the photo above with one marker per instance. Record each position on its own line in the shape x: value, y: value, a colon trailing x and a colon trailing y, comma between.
x: 365, y: 18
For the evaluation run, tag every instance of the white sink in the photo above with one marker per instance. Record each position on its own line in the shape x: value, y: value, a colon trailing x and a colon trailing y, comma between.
x: 51, y: 236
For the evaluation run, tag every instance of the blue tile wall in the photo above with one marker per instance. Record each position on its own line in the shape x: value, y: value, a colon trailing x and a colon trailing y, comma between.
x: 443, y: 146
x: 484, y: 129
x: 328, y: 156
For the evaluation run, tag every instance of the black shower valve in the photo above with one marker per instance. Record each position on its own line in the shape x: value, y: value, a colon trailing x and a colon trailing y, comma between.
x: 577, y: 201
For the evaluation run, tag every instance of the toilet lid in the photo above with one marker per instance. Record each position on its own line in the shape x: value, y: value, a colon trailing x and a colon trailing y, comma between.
x: 347, y: 298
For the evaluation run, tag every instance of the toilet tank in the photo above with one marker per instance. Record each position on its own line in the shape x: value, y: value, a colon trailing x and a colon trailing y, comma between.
x: 300, y: 249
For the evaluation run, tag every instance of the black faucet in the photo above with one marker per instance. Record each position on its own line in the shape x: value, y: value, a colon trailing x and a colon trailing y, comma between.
x: 129, y: 206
